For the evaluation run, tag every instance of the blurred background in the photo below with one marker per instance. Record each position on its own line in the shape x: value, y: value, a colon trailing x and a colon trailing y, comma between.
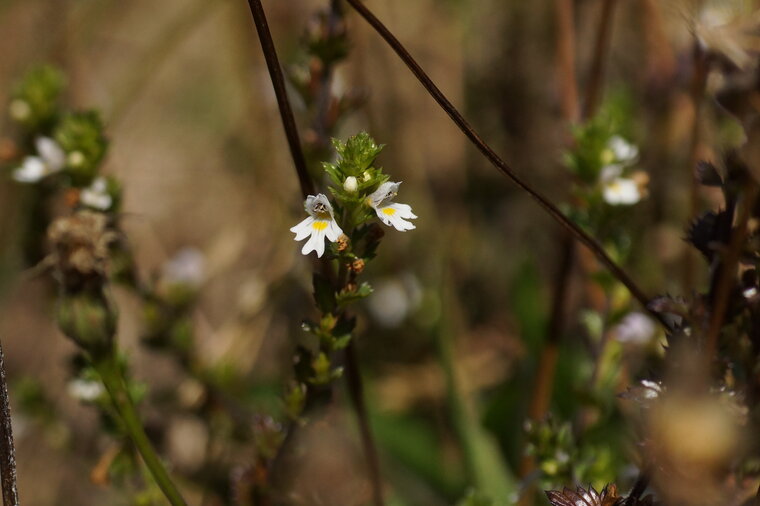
x: 450, y: 340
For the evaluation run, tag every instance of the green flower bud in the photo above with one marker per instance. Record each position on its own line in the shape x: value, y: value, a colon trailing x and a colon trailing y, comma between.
x: 89, y: 320
x: 81, y: 137
x: 35, y: 99
x: 351, y: 184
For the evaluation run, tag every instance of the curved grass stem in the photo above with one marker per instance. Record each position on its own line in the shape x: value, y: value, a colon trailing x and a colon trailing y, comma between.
x: 111, y: 375
x: 502, y: 166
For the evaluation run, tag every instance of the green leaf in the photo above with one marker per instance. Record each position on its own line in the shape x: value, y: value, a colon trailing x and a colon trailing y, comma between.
x: 346, y: 297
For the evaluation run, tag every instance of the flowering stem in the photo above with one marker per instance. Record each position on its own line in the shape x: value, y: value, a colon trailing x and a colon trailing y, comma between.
x: 278, y: 82
x: 500, y: 164
x: 7, y: 450
x: 307, y: 188
x: 110, y: 374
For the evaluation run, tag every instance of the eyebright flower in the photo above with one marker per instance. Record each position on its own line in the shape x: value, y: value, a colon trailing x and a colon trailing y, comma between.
x: 390, y: 213
x: 96, y: 195
x: 320, y: 224
x: 51, y: 159
x: 618, y: 190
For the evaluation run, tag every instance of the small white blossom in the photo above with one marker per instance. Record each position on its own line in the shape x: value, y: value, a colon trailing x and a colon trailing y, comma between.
x: 85, y: 390
x: 621, y: 191
x: 391, y: 213
x: 96, y: 195
x: 623, y: 150
x: 351, y: 184
x: 187, y: 267
x: 320, y: 224
x: 636, y: 328
x: 50, y: 159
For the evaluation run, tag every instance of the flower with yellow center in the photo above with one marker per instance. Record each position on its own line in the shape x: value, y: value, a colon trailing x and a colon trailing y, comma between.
x: 392, y: 214
x: 320, y: 224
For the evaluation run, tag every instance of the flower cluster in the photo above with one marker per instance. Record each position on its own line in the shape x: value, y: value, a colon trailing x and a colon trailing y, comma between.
x: 359, y: 187
x: 616, y: 188
x: 65, y: 148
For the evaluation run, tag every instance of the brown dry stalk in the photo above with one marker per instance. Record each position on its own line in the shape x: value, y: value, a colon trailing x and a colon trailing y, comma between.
x: 505, y: 169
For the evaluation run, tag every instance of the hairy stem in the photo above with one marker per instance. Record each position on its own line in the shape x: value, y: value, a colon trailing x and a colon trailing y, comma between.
x: 500, y: 164
x: 7, y: 449
x: 112, y: 378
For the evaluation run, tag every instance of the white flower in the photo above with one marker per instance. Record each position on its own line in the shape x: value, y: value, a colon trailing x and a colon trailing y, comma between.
x: 621, y: 191
x: 50, y: 159
x: 623, y: 150
x: 85, y: 390
x: 390, y: 213
x: 318, y: 225
x: 635, y: 328
x: 187, y: 267
x: 96, y: 195
x: 351, y: 184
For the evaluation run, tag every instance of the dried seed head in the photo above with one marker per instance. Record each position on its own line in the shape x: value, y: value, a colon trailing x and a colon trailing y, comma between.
x: 343, y: 242
x: 80, y: 244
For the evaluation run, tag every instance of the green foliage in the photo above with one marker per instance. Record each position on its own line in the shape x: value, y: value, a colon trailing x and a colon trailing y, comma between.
x: 34, y: 101
x: 475, y: 498
x: 357, y: 154
x: 81, y: 136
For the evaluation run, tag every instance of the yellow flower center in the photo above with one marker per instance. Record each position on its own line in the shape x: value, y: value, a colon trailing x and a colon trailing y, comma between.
x: 389, y: 211
x: 319, y: 225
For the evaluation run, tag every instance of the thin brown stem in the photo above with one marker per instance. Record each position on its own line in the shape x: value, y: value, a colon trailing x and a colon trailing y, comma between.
x: 283, y: 104
x: 7, y: 449
x: 599, y: 65
x: 566, y: 59
x: 500, y: 164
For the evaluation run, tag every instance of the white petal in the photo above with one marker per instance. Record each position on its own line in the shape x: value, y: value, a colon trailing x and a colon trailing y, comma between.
x: 315, y: 243
x: 95, y: 199
x: 303, y: 229
x: 51, y: 152
x: 32, y: 170
x: 393, y: 215
x: 621, y: 191
x: 401, y: 224
x: 624, y: 150
x: 320, y: 243
x: 403, y: 210
x: 333, y: 231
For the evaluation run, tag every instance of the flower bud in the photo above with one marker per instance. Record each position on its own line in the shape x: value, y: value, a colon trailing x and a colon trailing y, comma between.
x: 89, y: 320
x: 351, y: 184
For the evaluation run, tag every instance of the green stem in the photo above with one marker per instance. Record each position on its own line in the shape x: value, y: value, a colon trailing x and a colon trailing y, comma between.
x: 110, y: 373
